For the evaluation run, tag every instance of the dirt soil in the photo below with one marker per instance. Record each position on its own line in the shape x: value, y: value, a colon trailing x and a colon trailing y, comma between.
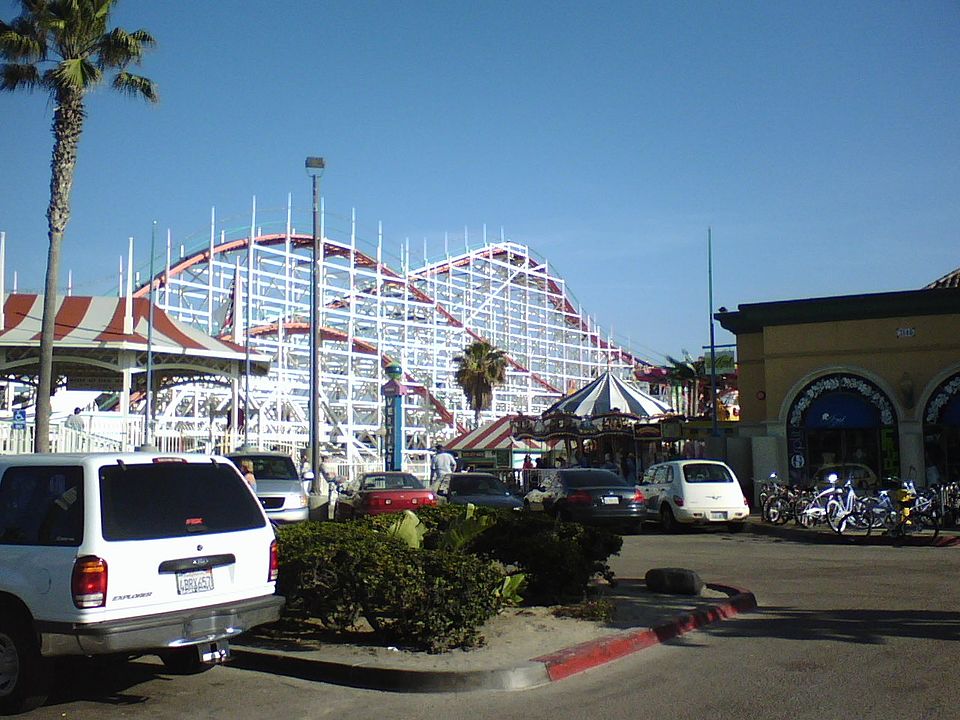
x: 514, y: 636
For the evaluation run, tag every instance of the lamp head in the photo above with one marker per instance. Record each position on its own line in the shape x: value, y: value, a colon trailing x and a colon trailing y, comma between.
x: 315, y: 165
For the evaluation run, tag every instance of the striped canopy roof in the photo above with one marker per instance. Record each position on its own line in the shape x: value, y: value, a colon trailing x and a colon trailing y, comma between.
x: 607, y: 393
x: 494, y: 435
x: 104, y: 323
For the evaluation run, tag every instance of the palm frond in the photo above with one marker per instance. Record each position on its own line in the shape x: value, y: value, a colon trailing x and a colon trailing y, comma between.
x: 136, y: 86
x: 77, y: 74
x: 118, y: 48
x: 14, y: 76
x: 22, y: 41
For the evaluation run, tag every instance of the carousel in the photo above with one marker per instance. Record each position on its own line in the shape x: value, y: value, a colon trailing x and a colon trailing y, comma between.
x: 606, y: 421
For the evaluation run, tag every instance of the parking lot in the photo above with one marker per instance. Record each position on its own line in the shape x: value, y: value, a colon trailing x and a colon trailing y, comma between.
x: 841, y: 630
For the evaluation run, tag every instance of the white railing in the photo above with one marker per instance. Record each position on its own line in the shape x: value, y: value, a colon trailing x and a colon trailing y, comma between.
x: 115, y: 433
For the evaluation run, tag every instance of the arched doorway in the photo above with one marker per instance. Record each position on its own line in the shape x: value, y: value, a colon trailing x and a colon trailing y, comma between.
x: 941, y: 433
x: 845, y: 424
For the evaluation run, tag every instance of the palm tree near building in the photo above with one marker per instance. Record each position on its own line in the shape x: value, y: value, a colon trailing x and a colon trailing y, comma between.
x: 687, y: 375
x: 66, y: 48
x: 480, y: 369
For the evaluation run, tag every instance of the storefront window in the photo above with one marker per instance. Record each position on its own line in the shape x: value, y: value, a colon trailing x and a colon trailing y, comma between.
x: 941, y: 434
x: 845, y: 425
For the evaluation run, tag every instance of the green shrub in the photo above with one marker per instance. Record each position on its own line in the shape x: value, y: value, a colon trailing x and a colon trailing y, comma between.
x: 559, y: 558
x: 429, y: 599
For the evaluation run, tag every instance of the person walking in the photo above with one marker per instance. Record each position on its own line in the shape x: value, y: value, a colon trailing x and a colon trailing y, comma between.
x: 443, y: 464
x: 74, y: 421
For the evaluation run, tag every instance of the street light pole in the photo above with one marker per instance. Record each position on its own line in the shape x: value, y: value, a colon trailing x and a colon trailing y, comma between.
x: 315, y: 167
x: 713, y: 345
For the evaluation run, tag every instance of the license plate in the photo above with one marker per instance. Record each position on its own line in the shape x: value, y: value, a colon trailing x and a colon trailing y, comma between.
x: 718, y: 516
x: 611, y: 501
x: 194, y: 581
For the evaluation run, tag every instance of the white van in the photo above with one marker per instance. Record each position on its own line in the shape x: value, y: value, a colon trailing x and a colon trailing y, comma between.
x: 691, y: 492
x: 127, y: 553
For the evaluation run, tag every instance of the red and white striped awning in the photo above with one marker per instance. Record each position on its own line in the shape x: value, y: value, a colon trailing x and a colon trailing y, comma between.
x: 109, y: 323
x: 494, y: 435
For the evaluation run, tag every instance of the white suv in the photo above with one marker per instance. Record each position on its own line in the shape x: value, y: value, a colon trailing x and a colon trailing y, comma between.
x: 130, y: 553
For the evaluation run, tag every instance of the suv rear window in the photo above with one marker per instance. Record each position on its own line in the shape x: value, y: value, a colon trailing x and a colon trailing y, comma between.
x: 268, y: 466
x: 174, y: 499
x: 41, y: 505
x: 706, y: 473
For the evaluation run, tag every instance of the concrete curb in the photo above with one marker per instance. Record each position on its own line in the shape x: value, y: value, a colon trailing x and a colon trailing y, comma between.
x: 597, y: 652
x: 534, y: 672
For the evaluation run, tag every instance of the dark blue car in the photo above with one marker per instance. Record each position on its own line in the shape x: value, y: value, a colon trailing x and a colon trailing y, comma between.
x: 478, y: 489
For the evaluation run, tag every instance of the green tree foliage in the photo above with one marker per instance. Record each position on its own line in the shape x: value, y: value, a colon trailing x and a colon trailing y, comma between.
x: 480, y: 369
x: 66, y: 48
x: 688, y: 375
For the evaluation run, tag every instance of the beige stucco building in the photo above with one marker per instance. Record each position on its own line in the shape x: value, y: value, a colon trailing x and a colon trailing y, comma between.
x: 865, y: 385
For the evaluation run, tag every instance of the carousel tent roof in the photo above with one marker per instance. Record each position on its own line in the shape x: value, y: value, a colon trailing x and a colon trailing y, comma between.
x: 494, y: 435
x: 607, y: 393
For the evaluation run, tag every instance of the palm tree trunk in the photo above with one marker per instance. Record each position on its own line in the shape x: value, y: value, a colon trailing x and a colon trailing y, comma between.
x: 67, y: 126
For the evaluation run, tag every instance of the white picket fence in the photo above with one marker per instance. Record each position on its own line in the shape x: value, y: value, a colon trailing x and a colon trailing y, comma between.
x: 115, y: 433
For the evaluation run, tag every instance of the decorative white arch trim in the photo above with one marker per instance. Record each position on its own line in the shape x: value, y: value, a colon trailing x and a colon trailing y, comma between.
x: 810, y: 378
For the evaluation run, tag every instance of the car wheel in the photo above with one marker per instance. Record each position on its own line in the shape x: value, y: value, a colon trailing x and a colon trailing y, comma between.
x: 184, y: 661
x: 668, y: 523
x: 23, y: 683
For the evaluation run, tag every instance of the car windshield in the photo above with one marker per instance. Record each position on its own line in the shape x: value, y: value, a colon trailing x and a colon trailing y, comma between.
x: 604, y: 478
x: 477, y: 485
x: 174, y: 499
x: 268, y: 467
x: 392, y: 482
x: 706, y: 473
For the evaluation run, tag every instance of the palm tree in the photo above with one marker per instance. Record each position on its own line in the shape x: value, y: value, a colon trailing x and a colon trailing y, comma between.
x: 479, y: 370
x: 687, y: 374
x: 64, y: 47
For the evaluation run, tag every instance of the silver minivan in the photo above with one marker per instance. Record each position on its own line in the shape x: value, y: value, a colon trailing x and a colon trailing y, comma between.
x: 694, y: 492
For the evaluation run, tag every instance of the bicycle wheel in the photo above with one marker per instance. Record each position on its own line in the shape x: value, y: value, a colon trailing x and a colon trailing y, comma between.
x: 776, y: 510
x: 924, y: 524
x: 836, y: 515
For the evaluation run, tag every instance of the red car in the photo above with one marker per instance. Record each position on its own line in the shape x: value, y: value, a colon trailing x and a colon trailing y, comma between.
x: 384, y: 492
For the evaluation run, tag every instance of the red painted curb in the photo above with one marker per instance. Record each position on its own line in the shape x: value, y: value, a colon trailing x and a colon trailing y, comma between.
x: 584, y: 656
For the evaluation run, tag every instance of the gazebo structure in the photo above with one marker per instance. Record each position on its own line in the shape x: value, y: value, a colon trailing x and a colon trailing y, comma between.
x: 606, y: 415
x: 101, y: 343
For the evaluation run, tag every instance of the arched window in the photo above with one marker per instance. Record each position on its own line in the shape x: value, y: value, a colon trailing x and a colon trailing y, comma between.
x: 845, y: 424
x: 941, y: 433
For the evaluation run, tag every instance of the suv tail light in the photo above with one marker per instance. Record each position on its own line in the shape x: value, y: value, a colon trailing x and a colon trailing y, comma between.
x: 274, y: 562
x: 89, y: 582
x: 579, y: 497
x: 678, y: 501
x: 638, y: 496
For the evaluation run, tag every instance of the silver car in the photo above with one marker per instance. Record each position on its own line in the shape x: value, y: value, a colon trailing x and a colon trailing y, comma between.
x: 279, y: 487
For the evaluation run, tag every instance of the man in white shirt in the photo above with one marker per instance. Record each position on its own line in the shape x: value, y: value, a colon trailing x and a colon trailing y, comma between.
x: 443, y: 464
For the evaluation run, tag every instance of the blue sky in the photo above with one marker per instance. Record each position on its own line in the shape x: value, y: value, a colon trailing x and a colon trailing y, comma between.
x: 819, y: 140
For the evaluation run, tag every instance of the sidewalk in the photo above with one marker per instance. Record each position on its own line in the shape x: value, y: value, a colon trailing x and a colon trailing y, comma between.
x: 525, y: 647
x: 823, y: 534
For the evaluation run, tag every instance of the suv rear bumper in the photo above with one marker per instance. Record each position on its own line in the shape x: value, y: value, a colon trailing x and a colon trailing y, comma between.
x: 156, y: 632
